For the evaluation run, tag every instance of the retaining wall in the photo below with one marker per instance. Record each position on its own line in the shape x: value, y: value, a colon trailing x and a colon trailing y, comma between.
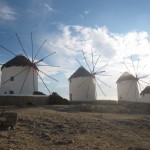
x: 24, y: 100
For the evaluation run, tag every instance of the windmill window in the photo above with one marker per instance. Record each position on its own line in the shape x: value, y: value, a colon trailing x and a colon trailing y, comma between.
x: 11, y: 78
x: 11, y: 92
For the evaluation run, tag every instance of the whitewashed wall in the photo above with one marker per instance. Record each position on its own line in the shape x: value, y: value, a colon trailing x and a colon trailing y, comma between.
x: 16, y: 85
x: 80, y: 91
x: 128, y: 90
x: 145, y: 98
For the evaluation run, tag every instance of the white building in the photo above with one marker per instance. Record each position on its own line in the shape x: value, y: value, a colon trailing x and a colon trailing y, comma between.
x: 19, y: 76
x: 145, y: 95
x: 82, y: 85
x: 127, y: 87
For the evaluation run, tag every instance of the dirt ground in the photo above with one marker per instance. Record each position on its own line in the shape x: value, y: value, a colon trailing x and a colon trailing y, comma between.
x: 67, y: 128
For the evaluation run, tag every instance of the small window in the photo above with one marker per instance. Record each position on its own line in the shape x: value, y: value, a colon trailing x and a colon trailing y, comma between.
x: 11, y: 78
x: 11, y: 92
x: 5, y: 92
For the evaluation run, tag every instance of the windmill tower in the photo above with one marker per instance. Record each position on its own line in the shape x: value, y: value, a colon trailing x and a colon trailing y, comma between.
x: 17, y: 76
x: 82, y: 83
x: 84, y: 92
x: 128, y: 85
x: 20, y: 74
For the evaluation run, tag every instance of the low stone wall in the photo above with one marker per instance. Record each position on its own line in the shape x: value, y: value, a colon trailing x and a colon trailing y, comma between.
x: 95, y: 102
x: 24, y: 100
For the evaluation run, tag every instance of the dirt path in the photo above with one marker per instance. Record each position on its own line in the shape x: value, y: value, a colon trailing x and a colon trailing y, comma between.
x: 66, y: 128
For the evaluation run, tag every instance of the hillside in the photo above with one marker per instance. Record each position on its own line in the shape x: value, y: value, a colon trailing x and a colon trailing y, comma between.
x: 66, y: 127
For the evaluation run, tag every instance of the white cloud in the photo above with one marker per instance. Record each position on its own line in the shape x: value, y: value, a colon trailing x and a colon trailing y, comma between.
x: 113, y: 47
x: 7, y: 13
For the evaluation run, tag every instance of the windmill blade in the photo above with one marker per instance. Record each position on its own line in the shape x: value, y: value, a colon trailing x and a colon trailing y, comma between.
x: 142, y: 69
x: 24, y: 80
x: 8, y: 50
x: 140, y: 85
x: 104, y: 75
x: 32, y: 46
x: 100, y: 88
x: 97, y: 73
x: 133, y: 67
x: 144, y: 82
x: 78, y: 62
x: 137, y: 66
x: 33, y: 81
x: 86, y: 61
x: 126, y: 67
x: 8, y: 39
x: 96, y: 62
x: 49, y: 76
x: 16, y: 74
x: 101, y: 68
x: 44, y: 58
x: 103, y: 82
x: 39, y: 50
x: 144, y: 76
x: 48, y: 65
x: 88, y: 88
x: 43, y: 82
x: 92, y: 61
x: 21, y: 45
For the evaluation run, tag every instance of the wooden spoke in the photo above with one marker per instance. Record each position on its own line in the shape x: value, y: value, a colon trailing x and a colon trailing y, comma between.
x: 96, y: 62
x: 24, y: 80
x: 16, y: 74
x: 103, y: 82
x: 43, y: 82
x: 32, y: 46
x: 49, y: 76
x: 78, y: 62
x: 100, y: 88
x: 39, y: 50
x: 21, y: 46
x: 8, y: 50
x: 44, y: 58
x: 86, y: 61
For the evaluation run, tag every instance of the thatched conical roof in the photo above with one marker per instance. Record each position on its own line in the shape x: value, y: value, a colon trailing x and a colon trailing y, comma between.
x: 80, y: 72
x: 19, y: 60
x: 125, y: 76
x: 146, y: 91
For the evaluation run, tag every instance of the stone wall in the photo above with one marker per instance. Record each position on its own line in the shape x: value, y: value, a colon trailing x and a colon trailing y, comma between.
x: 24, y: 100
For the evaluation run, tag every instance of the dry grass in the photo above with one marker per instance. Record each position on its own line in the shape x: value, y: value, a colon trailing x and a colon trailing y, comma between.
x: 66, y: 127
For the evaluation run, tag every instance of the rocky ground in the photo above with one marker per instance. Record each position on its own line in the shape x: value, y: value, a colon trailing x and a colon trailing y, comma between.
x: 67, y: 128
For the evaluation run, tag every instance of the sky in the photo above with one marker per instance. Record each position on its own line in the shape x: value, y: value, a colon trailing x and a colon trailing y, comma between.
x: 115, y: 29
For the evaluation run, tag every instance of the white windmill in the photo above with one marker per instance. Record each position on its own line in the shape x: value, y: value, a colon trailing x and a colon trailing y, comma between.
x: 82, y: 83
x: 20, y: 74
x: 129, y: 85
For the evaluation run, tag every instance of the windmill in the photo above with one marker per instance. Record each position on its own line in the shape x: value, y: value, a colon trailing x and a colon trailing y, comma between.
x: 82, y: 83
x: 129, y: 84
x: 20, y: 74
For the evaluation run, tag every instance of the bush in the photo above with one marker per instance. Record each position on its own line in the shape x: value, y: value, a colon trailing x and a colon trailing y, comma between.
x: 38, y: 93
x: 56, y: 99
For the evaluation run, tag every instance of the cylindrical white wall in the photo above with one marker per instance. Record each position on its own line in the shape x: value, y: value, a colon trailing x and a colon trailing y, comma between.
x: 16, y: 85
x: 128, y: 90
x: 82, y: 89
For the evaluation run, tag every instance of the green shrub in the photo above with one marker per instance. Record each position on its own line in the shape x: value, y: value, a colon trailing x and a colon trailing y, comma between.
x: 38, y: 93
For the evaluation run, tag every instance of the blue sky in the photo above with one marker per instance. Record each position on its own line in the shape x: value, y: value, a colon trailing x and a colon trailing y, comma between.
x: 116, y: 29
